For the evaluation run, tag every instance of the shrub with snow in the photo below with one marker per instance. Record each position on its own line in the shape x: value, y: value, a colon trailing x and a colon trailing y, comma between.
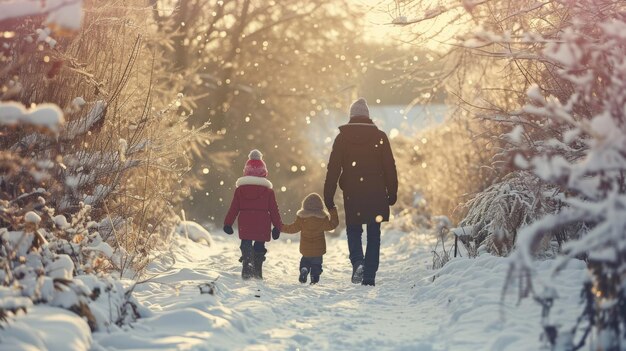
x: 549, y: 78
x: 496, y: 214
x: 591, y: 56
x: 93, y: 156
x: 47, y: 259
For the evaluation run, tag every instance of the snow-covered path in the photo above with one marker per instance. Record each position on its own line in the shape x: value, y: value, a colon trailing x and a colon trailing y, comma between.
x: 461, y: 310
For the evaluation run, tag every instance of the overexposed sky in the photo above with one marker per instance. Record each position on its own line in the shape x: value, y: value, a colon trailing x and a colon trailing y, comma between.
x: 380, y: 13
x: 378, y: 16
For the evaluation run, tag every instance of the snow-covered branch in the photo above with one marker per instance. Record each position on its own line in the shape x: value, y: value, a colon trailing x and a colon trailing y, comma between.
x: 45, y: 116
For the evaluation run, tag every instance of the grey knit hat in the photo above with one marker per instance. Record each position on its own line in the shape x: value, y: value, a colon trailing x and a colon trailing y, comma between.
x: 359, y: 108
x: 312, y: 206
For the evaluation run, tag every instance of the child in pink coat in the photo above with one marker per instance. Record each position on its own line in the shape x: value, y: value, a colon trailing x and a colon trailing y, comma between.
x: 254, y: 205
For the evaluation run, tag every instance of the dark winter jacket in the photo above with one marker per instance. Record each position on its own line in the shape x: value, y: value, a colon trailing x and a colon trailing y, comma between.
x: 363, y: 164
x: 254, y: 203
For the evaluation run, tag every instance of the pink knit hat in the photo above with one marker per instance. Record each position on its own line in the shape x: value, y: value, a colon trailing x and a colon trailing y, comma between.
x: 255, y: 166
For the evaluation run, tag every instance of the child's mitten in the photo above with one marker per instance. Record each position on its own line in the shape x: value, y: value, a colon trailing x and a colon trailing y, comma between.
x: 275, y: 233
x: 228, y: 230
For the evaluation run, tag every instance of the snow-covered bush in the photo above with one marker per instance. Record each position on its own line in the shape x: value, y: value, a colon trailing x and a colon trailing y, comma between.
x: 552, y: 75
x: 46, y: 258
x: 124, y: 148
x: 591, y: 56
x: 93, y: 155
x: 497, y: 213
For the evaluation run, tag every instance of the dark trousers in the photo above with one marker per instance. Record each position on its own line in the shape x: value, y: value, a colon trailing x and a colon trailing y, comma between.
x: 247, y: 246
x: 372, y: 252
x: 313, y: 264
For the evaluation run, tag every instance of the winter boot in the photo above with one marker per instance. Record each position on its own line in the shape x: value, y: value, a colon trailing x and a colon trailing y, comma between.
x: 247, y: 262
x: 369, y: 282
x: 259, y: 257
x: 316, y: 271
x: 357, y: 273
x: 304, y: 272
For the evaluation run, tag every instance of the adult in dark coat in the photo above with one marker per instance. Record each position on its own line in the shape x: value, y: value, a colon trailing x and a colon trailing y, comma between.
x: 362, y: 163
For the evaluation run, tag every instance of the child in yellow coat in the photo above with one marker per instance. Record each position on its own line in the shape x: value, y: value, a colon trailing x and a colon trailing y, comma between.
x: 312, y: 221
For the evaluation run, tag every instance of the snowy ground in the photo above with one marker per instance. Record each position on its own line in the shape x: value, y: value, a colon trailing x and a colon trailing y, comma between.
x: 460, y: 310
x: 45, y: 328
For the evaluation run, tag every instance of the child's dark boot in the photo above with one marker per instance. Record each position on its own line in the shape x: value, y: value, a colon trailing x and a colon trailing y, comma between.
x: 247, y: 261
x: 316, y: 271
x: 259, y: 258
x: 304, y: 272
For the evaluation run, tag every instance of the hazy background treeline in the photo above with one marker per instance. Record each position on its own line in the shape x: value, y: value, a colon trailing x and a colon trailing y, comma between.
x: 262, y: 73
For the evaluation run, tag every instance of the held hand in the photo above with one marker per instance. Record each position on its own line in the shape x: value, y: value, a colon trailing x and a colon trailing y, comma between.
x: 275, y: 233
x: 391, y: 199
x: 228, y: 230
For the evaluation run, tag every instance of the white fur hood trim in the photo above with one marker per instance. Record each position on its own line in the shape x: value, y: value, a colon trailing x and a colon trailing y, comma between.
x: 303, y: 213
x: 250, y: 180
